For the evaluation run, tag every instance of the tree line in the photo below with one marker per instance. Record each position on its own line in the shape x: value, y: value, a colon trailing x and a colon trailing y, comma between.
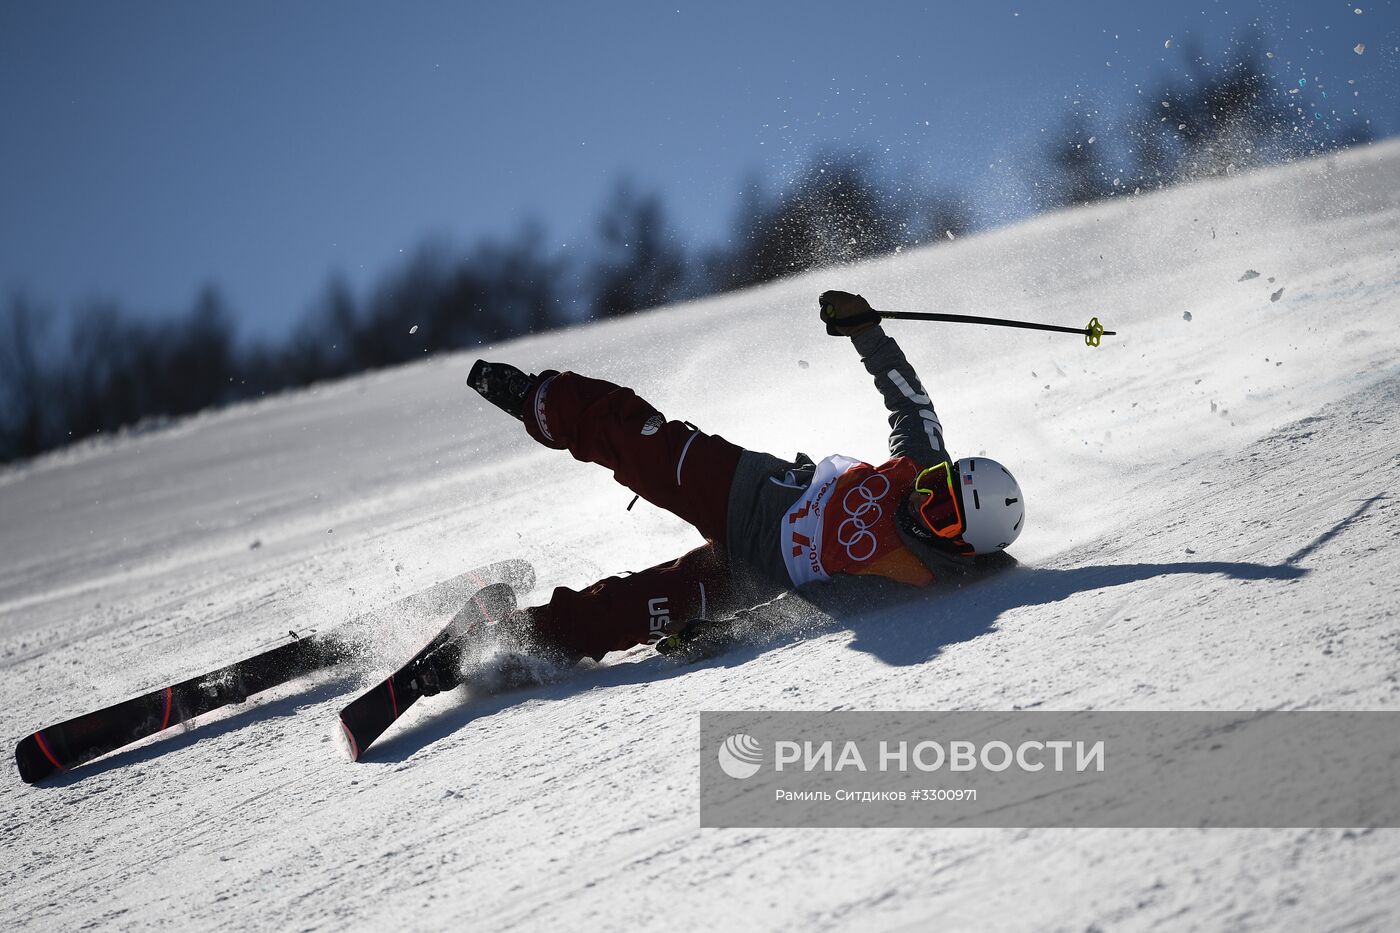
x: 111, y: 368
x: 1212, y: 119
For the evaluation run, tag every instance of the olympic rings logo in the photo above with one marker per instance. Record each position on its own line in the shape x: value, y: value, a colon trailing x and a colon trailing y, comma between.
x: 863, y: 511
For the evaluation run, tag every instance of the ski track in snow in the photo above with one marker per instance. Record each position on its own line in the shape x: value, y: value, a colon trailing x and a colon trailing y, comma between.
x: 1207, y: 530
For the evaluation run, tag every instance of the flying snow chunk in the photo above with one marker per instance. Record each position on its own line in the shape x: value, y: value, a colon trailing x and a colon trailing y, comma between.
x: 1360, y: 48
x: 950, y: 234
x: 1276, y: 295
x: 1248, y: 274
x: 413, y: 329
x: 1186, y: 315
x: 1167, y: 44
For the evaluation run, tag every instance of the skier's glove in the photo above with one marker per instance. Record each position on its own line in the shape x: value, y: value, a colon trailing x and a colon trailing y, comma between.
x: 846, y: 315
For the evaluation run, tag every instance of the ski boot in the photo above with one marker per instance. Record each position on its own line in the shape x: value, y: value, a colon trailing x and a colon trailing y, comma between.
x: 504, y: 386
x: 522, y: 659
x: 445, y: 667
x: 226, y: 691
x: 441, y: 670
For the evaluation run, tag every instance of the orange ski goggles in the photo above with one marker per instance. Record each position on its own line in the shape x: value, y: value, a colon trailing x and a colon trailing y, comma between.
x: 941, y: 508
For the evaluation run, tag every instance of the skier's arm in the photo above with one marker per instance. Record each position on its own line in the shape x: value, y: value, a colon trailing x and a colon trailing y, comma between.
x: 914, y: 428
x: 915, y: 431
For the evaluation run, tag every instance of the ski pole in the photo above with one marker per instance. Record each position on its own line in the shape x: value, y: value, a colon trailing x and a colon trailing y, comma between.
x: 1092, y: 332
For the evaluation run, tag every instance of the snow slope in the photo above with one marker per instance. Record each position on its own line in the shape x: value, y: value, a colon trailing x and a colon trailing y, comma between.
x: 1211, y: 525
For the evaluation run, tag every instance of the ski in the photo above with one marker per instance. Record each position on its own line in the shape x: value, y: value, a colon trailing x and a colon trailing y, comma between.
x: 76, y: 741
x: 369, y: 715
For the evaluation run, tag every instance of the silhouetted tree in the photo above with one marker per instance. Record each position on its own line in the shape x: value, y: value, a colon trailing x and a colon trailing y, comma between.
x: 118, y: 368
x: 1229, y: 116
x: 26, y: 421
x: 932, y: 216
x: 193, y: 361
x: 411, y: 296
x: 640, y: 266
x: 834, y: 212
x: 516, y: 284
x: 121, y: 369
x: 1235, y: 115
x: 1079, y: 175
x: 1216, y: 117
x: 323, y: 345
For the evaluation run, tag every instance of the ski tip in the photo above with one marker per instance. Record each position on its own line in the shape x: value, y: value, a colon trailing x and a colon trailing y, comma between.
x: 34, y: 759
x: 347, y: 742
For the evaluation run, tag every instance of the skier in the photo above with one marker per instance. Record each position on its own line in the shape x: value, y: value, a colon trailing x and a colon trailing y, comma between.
x: 770, y: 525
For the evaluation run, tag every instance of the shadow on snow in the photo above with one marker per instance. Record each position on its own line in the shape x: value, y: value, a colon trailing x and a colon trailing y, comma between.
x: 897, y: 625
x: 892, y: 623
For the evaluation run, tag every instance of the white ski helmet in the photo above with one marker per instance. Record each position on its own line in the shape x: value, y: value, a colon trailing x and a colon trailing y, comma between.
x: 992, y: 504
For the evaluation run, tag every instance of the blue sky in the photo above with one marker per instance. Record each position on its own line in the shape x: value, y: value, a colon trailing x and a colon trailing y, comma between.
x: 151, y: 147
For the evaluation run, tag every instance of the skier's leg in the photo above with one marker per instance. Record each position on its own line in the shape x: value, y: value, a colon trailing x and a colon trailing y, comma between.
x: 671, y: 464
x: 617, y: 613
